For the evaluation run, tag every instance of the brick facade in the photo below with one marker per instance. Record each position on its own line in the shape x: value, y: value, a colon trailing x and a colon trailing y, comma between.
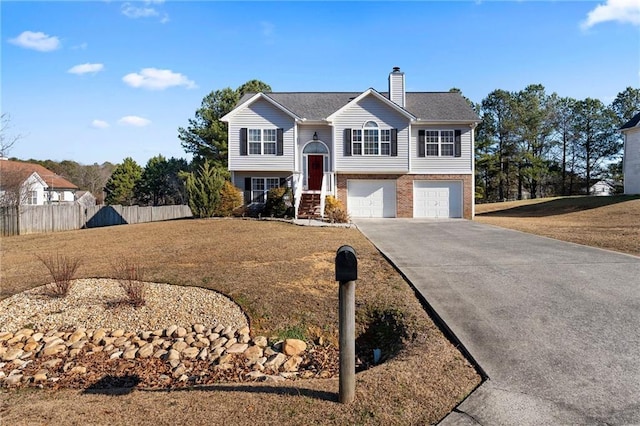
x: 404, y: 189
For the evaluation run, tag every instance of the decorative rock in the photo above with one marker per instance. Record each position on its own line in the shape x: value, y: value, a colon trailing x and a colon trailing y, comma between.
x: 146, y: 351
x: 170, y: 330
x: 36, y: 337
x: 237, y: 348
x: 12, y: 354
x: 74, y: 353
x: 183, y: 378
x: 256, y: 375
x: 145, y: 335
x: 30, y: 346
x: 228, y: 332
x: 78, y: 370
x: 40, y: 376
x: 13, y: 380
x: 117, y: 333
x: 54, y: 341
x: 274, y: 379
x: 181, y: 332
x: 260, y: 341
x: 77, y: 335
x: 173, y: 354
x: 212, y: 336
x: 292, y: 363
x: 218, y: 328
x: 159, y: 353
x: 179, y: 370
x: 275, y: 361
x: 130, y: 353
x: 25, y: 332
x: 218, y: 351
x: 179, y: 346
x: 253, y: 353
x: 198, y: 328
x: 191, y: 353
x: 269, y: 352
x: 230, y: 342
x: 98, y: 335
x: 293, y: 347
x: 16, y: 339
x: 203, y: 355
x: 54, y: 350
x: 174, y: 363
x: 219, y: 342
x: 5, y: 335
x: 116, y: 354
x: 120, y: 341
x: 189, y: 340
x: 244, y: 338
x: 78, y: 344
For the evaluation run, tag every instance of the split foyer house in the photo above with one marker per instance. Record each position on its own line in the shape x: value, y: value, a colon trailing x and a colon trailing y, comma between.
x: 394, y: 154
x: 631, y: 158
x: 32, y: 184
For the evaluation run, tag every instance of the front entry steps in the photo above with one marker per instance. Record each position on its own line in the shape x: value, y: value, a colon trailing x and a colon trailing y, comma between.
x: 309, y: 206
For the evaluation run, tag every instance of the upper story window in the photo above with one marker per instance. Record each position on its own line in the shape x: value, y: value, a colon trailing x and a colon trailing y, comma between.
x: 371, y: 140
x: 439, y: 143
x: 32, y: 197
x: 261, y: 141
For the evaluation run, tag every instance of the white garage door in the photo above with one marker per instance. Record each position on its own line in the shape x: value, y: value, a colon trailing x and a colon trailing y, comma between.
x: 437, y: 199
x: 371, y: 198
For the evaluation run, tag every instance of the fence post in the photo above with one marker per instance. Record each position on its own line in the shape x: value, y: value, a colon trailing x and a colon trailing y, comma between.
x: 346, y: 273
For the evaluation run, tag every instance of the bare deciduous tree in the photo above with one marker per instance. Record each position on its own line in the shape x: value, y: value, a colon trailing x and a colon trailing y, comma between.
x: 7, y: 141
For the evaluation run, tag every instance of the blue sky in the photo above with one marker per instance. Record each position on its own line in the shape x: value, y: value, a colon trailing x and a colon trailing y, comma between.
x: 100, y: 81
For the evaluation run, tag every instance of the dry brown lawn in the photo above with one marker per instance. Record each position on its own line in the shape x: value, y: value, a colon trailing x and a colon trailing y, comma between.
x: 612, y: 223
x: 283, y: 276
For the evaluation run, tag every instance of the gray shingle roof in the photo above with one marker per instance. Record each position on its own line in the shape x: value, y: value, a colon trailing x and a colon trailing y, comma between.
x: 632, y: 123
x: 429, y: 106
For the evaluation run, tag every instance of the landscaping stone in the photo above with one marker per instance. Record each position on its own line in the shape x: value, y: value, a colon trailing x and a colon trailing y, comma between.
x: 146, y: 351
x: 237, y: 348
x: 293, y: 347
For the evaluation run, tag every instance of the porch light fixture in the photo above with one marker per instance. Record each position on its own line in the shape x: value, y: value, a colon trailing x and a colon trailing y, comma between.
x: 315, y: 136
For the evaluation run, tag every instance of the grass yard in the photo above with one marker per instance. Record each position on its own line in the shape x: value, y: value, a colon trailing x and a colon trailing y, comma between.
x: 283, y: 277
x: 612, y: 223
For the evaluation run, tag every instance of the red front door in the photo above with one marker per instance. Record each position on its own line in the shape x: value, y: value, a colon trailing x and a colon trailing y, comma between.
x: 316, y: 169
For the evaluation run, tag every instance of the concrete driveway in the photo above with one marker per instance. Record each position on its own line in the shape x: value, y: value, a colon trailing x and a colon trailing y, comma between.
x: 555, y: 325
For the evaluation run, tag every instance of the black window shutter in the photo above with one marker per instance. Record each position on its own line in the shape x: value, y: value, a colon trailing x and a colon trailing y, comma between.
x: 394, y: 142
x: 243, y: 141
x: 421, y: 141
x: 247, y: 190
x: 457, y: 147
x: 283, y: 181
x: 280, y: 143
x: 347, y: 142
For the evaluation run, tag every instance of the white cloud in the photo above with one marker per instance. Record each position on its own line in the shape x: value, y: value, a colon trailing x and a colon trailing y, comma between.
x: 85, y: 69
x: 157, y: 79
x: 145, y: 11
x: 81, y: 46
x: 134, y: 120
x: 624, y: 11
x: 36, y: 41
x: 99, y: 124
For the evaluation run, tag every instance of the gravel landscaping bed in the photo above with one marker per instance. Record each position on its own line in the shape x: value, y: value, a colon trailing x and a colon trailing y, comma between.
x: 98, y: 303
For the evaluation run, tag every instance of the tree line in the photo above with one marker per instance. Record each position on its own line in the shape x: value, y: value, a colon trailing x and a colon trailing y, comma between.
x: 533, y: 144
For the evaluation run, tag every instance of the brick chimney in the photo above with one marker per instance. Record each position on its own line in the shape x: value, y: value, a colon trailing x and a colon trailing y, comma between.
x: 396, y: 86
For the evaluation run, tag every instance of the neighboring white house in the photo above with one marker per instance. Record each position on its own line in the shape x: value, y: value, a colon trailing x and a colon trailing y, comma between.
x: 395, y: 154
x: 631, y: 159
x: 602, y: 187
x: 32, y: 184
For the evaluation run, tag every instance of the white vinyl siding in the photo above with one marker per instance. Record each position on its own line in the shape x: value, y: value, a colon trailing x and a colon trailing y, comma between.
x: 441, y: 164
x: 437, y: 199
x: 354, y: 117
x: 371, y: 198
x: 631, y: 161
x: 262, y: 115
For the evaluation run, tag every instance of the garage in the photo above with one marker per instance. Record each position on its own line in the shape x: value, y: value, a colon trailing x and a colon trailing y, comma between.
x: 371, y: 198
x: 437, y: 199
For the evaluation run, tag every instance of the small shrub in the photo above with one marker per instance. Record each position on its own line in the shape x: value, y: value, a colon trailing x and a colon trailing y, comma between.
x: 292, y: 332
x: 130, y: 276
x: 62, y: 269
x: 278, y: 202
x: 334, y: 210
x: 230, y: 200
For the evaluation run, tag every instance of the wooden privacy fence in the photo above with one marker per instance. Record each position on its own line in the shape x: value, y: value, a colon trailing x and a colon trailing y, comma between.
x: 20, y: 220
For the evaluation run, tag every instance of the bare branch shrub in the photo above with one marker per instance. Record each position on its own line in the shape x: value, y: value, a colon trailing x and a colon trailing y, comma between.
x: 130, y: 275
x: 62, y: 269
